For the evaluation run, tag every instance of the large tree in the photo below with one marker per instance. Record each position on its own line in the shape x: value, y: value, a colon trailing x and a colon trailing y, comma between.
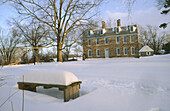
x: 8, y: 45
x: 152, y: 37
x: 61, y: 16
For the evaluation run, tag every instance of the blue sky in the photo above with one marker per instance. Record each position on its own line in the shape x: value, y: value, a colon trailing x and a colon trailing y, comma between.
x: 144, y: 13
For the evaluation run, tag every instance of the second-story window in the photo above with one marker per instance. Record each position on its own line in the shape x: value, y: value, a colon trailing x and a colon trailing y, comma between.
x: 118, y: 40
x: 98, y: 41
x: 89, y: 42
x: 125, y: 39
x: 106, y: 41
x: 132, y: 39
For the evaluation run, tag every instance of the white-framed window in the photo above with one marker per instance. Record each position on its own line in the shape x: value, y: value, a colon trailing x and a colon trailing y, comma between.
x: 125, y: 51
x: 98, y: 52
x: 132, y: 51
x: 125, y: 39
x: 131, y: 28
x: 118, y: 40
x: 148, y: 53
x: 132, y: 38
x: 118, y: 52
x: 88, y: 33
x: 90, y: 53
x: 89, y: 42
x: 106, y: 41
x: 117, y: 30
x: 97, y: 41
x: 101, y: 32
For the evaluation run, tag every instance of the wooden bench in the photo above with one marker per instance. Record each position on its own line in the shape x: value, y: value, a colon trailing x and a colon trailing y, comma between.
x: 71, y: 91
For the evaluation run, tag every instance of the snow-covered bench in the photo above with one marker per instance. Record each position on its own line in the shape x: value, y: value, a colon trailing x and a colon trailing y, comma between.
x: 65, y: 81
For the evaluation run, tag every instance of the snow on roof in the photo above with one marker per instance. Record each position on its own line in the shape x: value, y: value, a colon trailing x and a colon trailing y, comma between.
x: 146, y: 49
x: 49, y: 77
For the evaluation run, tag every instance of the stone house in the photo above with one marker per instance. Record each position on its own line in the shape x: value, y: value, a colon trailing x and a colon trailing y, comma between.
x: 146, y: 51
x: 120, y: 41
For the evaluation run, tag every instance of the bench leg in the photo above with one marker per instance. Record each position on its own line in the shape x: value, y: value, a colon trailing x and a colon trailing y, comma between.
x: 71, y: 92
x: 67, y: 92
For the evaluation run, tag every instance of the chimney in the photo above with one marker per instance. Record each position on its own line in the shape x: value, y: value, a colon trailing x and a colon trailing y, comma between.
x: 103, y: 25
x: 118, y: 22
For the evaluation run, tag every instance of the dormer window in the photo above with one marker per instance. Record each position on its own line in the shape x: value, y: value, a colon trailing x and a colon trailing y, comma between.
x: 130, y: 28
x: 117, y: 30
x: 101, y: 32
x: 89, y: 33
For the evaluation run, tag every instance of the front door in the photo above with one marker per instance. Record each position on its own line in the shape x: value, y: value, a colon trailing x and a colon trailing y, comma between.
x: 106, y: 53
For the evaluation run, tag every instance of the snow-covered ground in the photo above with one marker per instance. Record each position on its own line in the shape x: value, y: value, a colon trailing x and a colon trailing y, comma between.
x: 116, y: 84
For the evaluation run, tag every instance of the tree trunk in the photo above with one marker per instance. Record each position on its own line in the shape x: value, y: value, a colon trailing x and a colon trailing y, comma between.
x: 36, y: 55
x: 59, y: 53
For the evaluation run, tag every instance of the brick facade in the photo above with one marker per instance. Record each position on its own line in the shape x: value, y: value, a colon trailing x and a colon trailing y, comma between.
x: 112, y: 47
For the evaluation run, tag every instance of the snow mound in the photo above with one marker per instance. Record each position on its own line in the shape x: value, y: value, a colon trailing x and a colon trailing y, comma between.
x: 49, y: 77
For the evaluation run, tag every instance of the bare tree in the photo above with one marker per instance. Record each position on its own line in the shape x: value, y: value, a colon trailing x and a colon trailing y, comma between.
x: 61, y: 16
x: 8, y: 45
x: 152, y: 37
x: 129, y: 4
x: 74, y: 38
x: 35, y: 35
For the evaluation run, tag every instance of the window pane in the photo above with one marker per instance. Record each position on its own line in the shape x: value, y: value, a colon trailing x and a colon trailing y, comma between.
x: 131, y: 28
x: 106, y: 40
x: 118, y: 29
x: 90, y: 52
x: 125, y: 38
x: 97, y: 41
x: 88, y: 33
x: 98, y: 52
x: 133, y: 50
x: 132, y: 38
x: 118, y: 39
x: 118, y: 51
x: 126, y: 51
x: 89, y: 42
x: 101, y: 31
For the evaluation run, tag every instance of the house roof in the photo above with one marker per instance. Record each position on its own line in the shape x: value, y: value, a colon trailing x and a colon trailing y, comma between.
x: 146, y: 49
